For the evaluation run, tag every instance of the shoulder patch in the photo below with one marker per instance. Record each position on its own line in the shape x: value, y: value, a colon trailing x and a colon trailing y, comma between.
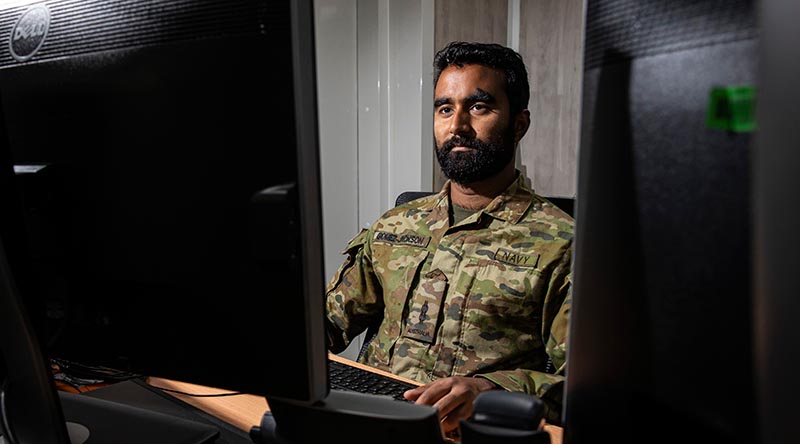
x: 411, y: 239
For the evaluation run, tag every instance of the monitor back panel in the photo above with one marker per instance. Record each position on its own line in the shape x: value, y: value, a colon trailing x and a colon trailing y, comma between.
x: 660, y: 342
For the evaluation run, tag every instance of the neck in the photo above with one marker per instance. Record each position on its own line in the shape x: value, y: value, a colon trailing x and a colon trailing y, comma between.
x: 476, y: 195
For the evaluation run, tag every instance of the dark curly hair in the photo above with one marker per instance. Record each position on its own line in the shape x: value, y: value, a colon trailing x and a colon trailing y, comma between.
x: 491, y: 55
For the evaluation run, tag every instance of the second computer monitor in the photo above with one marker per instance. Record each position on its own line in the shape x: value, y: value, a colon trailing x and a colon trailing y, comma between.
x: 660, y: 345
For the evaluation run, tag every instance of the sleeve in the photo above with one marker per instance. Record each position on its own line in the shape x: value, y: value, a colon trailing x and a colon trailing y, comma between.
x: 547, y: 386
x: 353, y: 296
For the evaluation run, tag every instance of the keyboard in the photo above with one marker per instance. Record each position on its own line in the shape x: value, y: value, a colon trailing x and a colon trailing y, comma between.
x: 354, y: 379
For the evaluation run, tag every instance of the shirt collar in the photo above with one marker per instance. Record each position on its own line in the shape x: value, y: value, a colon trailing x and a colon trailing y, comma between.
x: 509, y: 206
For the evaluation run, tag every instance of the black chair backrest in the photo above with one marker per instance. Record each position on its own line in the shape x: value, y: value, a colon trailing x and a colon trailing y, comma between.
x: 408, y: 196
x: 567, y: 204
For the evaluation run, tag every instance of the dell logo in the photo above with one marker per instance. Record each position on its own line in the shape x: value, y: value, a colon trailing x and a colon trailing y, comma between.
x: 29, y: 32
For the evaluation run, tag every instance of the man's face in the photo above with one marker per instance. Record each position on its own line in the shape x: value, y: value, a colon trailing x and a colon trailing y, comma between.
x: 474, y: 131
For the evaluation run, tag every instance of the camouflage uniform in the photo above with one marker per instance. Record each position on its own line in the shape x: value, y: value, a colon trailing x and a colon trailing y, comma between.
x: 487, y: 297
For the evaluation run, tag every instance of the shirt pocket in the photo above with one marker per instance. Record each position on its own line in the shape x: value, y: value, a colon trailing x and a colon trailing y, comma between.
x: 501, y: 314
x: 507, y: 292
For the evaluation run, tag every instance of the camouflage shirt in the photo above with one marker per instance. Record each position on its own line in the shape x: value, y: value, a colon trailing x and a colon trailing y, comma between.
x: 487, y: 297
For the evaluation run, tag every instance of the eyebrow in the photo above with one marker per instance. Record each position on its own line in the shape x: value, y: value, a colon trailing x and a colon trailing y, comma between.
x: 481, y: 96
x: 478, y: 96
x: 441, y: 101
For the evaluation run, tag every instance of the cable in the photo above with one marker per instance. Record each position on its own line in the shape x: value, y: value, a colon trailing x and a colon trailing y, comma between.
x: 197, y: 395
x: 70, y: 368
x: 82, y: 371
x: 79, y: 376
x: 66, y: 379
x: 4, y: 423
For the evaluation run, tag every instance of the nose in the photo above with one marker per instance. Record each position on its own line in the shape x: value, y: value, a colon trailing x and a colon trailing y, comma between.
x: 460, y: 124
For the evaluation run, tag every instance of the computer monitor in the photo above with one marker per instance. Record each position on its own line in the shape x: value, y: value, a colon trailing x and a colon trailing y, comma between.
x: 661, y: 346
x: 166, y: 157
x: 166, y: 214
x: 152, y: 142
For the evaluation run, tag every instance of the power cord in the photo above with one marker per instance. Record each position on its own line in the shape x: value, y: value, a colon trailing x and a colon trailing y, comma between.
x: 4, y: 423
x: 70, y: 381
x: 77, y: 375
x: 92, y: 373
x: 198, y: 395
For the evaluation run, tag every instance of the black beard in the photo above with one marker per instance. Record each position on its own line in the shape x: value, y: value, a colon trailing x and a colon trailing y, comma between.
x: 484, y: 160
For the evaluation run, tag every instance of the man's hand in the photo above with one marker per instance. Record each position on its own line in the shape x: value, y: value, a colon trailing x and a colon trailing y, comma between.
x: 454, y: 397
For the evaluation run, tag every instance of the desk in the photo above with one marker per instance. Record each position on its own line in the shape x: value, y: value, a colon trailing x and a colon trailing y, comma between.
x: 245, y: 411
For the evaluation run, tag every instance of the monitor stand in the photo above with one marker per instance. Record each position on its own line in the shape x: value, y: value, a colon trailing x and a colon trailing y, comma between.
x: 351, y: 417
x: 111, y: 422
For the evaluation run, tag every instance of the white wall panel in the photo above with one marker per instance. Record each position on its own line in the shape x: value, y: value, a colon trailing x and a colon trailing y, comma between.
x: 335, y: 22
x: 410, y: 138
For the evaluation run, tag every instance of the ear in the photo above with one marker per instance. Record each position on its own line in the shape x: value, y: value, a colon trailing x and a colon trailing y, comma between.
x: 522, y: 121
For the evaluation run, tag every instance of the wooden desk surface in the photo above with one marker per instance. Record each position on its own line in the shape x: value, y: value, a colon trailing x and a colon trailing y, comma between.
x: 245, y: 411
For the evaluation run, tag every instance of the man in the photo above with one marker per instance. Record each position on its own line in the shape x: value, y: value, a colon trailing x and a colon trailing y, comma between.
x: 469, y: 286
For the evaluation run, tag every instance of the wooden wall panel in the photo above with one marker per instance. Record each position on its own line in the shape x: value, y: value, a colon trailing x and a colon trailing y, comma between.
x: 551, y: 42
x: 471, y: 20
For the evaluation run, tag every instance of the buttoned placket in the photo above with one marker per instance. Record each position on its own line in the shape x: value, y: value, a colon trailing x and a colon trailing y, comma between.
x: 447, y: 258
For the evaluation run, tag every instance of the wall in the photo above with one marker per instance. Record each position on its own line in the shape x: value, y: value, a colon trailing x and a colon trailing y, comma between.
x: 374, y: 87
x: 551, y: 42
x: 337, y: 77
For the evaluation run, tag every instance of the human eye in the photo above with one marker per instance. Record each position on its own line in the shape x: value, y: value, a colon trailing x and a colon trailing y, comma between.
x: 444, y: 110
x: 479, y: 108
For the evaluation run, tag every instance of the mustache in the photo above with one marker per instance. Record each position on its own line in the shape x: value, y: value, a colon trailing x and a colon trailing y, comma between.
x: 455, y: 141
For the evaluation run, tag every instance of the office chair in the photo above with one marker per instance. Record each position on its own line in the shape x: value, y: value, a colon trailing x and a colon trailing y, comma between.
x: 408, y: 196
x: 566, y: 204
